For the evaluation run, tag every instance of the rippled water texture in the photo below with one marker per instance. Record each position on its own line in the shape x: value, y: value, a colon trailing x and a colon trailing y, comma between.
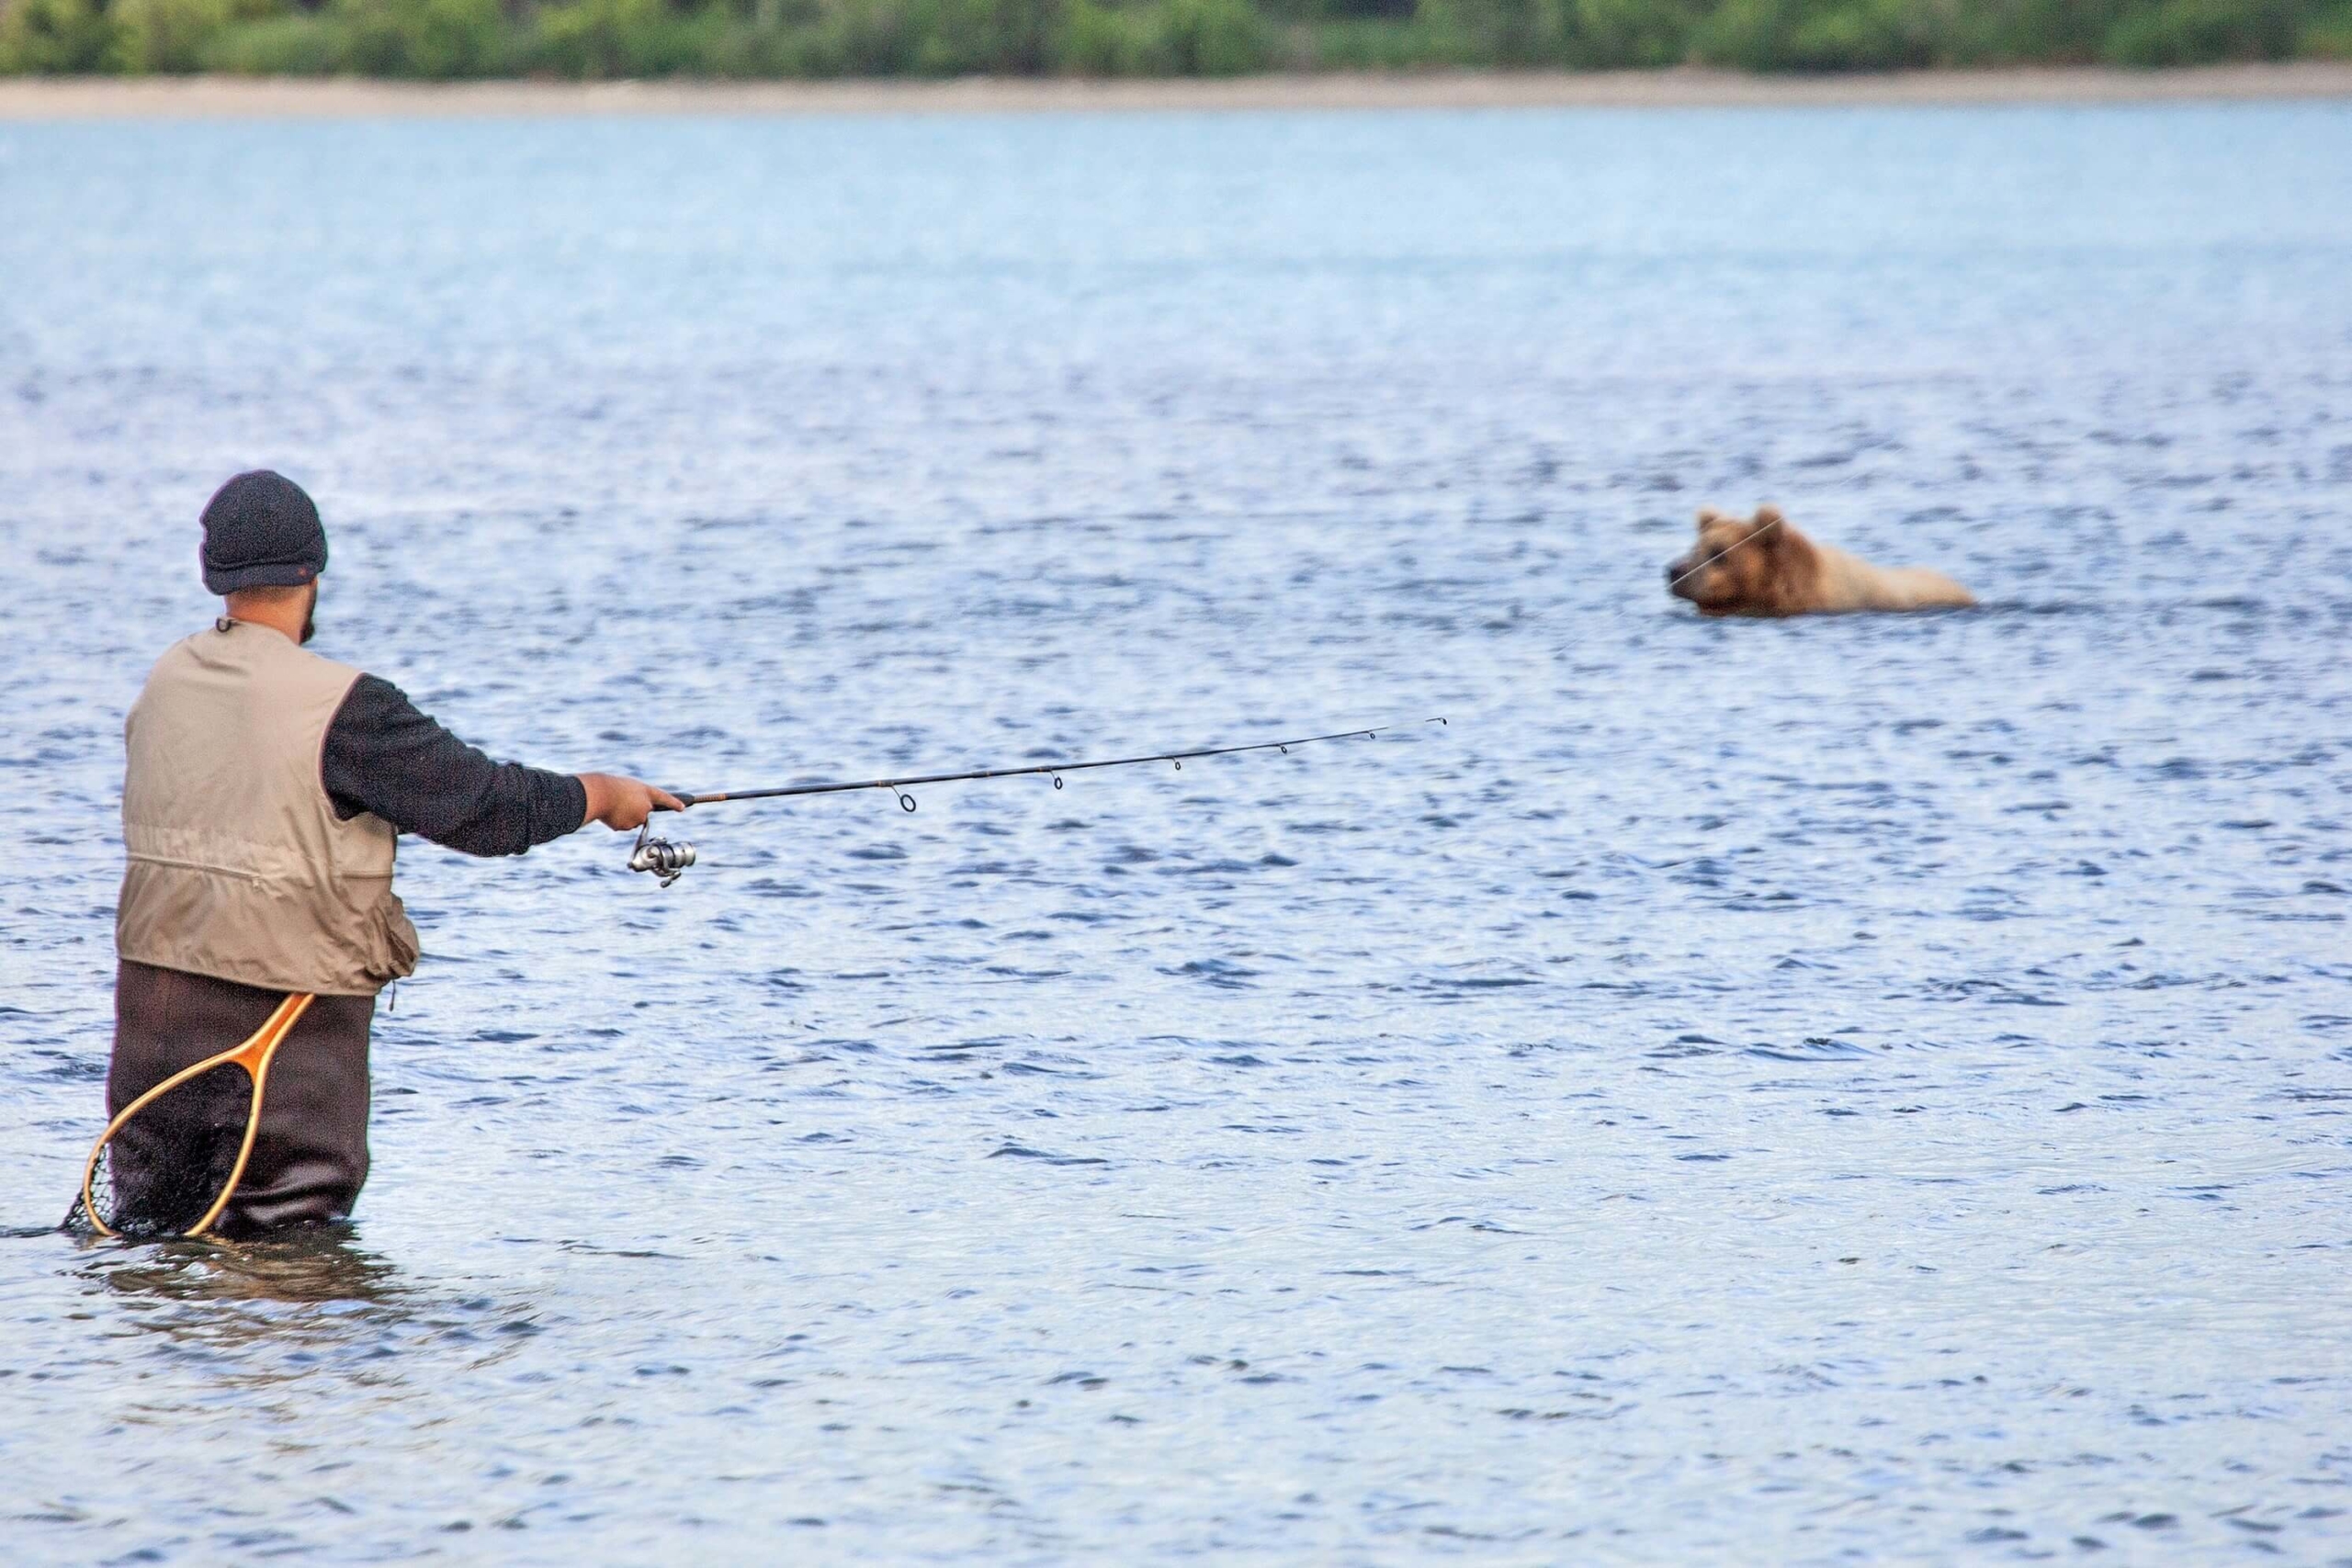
x: 1867, y: 1089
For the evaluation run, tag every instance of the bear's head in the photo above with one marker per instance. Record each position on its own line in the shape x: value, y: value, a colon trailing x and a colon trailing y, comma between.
x: 1739, y: 564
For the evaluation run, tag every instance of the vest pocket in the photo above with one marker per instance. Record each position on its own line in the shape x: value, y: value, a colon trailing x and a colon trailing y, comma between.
x: 395, y: 943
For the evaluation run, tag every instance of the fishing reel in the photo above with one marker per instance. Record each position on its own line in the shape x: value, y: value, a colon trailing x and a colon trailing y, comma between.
x: 660, y: 856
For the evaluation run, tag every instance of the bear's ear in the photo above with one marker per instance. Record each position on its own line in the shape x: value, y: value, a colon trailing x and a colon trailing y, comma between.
x: 1768, y: 516
x: 1709, y: 514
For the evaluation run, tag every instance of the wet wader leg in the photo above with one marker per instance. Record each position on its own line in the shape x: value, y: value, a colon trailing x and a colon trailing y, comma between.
x: 311, y: 1157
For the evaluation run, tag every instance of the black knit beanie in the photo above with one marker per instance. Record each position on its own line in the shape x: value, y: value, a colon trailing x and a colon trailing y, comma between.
x: 261, y: 531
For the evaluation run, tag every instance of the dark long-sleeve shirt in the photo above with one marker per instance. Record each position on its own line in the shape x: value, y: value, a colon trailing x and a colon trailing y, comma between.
x: 382, y: 755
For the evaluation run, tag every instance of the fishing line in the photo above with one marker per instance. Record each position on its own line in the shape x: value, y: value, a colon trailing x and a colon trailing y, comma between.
x: 170, y: 1162
x: 1674, y: 582
x: 1679, y: 577
x: 668, y: 860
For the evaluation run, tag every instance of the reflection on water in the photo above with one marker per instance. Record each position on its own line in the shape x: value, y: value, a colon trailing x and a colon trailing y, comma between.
x: 306, y: 1334
x: 310, y: 1265
x: 1869, y: 1088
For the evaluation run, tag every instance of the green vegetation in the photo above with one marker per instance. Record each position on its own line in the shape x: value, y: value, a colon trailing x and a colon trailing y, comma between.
x: 591, y: 38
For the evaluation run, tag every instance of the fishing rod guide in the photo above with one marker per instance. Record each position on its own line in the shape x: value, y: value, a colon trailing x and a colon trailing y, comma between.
x: 668, y: 860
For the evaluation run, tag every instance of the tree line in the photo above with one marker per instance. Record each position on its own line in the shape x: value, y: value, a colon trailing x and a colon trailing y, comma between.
x: 447, y: 40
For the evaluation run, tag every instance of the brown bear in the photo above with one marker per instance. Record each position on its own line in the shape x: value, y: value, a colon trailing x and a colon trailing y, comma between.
x: 1764, y: 567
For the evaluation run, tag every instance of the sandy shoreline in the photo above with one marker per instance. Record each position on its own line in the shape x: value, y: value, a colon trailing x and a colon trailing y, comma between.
x: 212, y: 97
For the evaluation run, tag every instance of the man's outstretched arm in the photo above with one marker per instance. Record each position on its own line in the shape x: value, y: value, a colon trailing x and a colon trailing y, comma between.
x: 383, y: 756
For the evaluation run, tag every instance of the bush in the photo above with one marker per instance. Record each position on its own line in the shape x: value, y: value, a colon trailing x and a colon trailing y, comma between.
x: 2052, y: 32
x: 1617, y: 35
x: 1369, y: 44
x: 2200, y: 33
x: 1498, y: 32
x: 165, y: 37
x: 1001, y: 37
x: 54, y: 36
x: 1099, y: 42
x: 442, y: 39
x: 869, y: 38
x: 2328, y: 36
x: 1208, y: 38
x: 436, y: 39
x: 598, y: 38
x: 1821, y: 35
x: 278, y: 46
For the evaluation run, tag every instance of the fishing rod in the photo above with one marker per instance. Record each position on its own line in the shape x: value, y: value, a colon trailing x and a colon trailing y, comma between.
x: 668, y: 860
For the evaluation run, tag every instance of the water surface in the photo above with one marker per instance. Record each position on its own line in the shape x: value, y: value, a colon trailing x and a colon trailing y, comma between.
x: 1871, y: 1089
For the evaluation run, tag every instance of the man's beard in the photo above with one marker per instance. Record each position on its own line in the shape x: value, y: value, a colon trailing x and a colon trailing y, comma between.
x: 310, y: 616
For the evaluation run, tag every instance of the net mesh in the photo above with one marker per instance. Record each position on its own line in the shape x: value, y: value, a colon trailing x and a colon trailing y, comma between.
x: 163, y: 1167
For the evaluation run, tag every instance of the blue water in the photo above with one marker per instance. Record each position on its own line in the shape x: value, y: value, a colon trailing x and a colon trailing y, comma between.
x: 1872, y: 1089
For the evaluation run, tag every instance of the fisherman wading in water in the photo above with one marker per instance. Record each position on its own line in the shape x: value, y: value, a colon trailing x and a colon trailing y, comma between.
x: 265, y: 790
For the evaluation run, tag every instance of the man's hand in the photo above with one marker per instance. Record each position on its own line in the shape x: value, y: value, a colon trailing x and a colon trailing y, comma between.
x: 622, y: 803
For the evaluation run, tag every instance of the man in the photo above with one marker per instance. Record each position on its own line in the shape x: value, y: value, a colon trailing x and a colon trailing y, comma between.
x: 264, y: 792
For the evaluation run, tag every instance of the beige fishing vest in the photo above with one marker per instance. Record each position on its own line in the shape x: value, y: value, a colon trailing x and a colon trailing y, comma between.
x: 238, y: 867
